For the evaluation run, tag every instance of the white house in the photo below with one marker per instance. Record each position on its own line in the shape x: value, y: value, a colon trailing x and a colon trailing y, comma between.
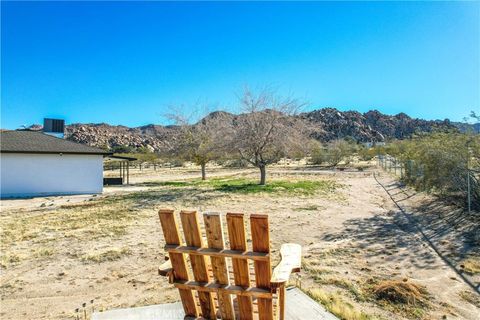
x: 36, y: 164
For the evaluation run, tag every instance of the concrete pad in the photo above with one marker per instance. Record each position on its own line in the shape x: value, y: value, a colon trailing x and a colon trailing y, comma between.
x: 167, y: 311
x: 299, y: 306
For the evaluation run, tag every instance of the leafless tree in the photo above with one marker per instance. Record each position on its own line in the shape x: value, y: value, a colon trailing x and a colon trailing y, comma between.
x: 265, y: 132
x: 197, y: 142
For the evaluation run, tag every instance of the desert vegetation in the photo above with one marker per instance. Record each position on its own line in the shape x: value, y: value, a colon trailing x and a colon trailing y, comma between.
x: 357, y: 261
x: 447, y: 164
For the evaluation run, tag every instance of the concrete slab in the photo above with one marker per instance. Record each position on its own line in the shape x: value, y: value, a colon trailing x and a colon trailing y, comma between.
x: 167, y: 311
x: 299, y: 306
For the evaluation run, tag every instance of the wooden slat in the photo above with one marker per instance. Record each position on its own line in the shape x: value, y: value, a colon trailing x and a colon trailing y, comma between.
x: 170, y: 232
x: 236, y: 233
x: 291, y: 254
x: 244, y: 292
x: 226, y: 253
x: 261, y: 243
x: 193, y: 237
x: 214, y: 231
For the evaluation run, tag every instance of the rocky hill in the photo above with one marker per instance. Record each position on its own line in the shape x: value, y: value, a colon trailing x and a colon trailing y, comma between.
x: 152, y: 137
x: 324, y: 124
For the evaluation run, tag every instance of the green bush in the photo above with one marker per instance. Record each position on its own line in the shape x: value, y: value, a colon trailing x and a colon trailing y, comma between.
x: 333, y: 153
x: 438, y: 162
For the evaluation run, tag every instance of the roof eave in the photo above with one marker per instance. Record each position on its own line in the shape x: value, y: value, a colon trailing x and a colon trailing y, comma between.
x: 59, y: 152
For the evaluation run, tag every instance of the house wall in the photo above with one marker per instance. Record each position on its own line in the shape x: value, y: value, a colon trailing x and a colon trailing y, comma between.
x: 24, y: 175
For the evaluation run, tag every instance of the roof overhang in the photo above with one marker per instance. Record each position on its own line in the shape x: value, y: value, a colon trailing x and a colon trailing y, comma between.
x: 105, y: 154
x: 112, y: 157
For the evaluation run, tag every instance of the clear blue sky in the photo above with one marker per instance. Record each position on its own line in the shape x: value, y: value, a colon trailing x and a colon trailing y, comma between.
x: 124, y: 62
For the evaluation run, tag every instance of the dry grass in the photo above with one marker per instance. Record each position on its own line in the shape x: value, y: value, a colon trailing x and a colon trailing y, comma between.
x: 400, y: 292
x: 44, y: 252
x: 106, y: 217
x: 32, y: 235
x: 312, y: 207
x: 9, y: 258
x: 335, y: 280
x: 471, y: 265
x: 334, y: 303
x: 470, y: 297
x: 402, y: 297
x: 108, y: 255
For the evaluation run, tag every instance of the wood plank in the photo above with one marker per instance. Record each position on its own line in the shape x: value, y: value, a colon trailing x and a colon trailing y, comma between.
x: 193, y: 237
x: 214, y: 231
x: 166, y: 270
x: 291, y: 254
x: 281, y: 302
x: 227, y: 289
x: 261, y: 243
x: 236, y: 233
x: 226, y: 253
x: 172, y: 237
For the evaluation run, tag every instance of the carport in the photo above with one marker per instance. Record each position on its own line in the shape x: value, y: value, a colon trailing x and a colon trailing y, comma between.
x: 123, y: 165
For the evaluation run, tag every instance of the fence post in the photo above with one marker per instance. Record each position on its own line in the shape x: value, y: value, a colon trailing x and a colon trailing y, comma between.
x: 468, y: 181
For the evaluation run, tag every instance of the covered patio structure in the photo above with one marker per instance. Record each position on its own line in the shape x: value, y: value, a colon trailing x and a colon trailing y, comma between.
x: 121, y: 163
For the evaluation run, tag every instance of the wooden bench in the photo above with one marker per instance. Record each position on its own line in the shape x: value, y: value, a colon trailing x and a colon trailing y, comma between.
x: 223, y: 284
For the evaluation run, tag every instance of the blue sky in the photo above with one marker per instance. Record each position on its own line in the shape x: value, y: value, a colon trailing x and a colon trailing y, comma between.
x: 125, y: 63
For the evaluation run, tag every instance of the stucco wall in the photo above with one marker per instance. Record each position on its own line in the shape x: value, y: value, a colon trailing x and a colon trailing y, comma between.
x: 25, y: 175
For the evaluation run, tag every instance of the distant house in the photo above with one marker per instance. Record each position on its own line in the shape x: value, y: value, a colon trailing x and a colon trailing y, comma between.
x: 36, y: 164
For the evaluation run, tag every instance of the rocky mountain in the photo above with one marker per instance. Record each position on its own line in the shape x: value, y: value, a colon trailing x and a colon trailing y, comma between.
x: 467, y: 127
x: 324, y: 124
x: 152, y: 137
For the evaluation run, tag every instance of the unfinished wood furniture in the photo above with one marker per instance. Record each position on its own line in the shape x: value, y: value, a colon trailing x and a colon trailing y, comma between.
x: 213, y: 292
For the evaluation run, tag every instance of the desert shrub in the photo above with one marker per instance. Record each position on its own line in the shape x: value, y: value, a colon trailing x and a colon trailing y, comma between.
x: 122, y: 149
x: 333, y: 153
x: 401, y: 292
x: 175, y: 163
x: 471, y: 265
x: 442, y: 163
x: 235, y: 163
x: 318, y: 154
x: 366, y: 154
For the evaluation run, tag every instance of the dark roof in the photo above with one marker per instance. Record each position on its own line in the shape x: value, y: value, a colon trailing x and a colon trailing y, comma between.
x: 38, y: 142
x: 119, y: 158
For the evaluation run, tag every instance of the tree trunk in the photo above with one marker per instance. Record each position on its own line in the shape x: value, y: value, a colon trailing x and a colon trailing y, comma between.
x: 204, y: 174
x: 263, y: 175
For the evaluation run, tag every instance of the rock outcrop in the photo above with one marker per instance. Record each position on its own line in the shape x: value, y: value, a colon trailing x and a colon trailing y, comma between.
x: 324, y: 124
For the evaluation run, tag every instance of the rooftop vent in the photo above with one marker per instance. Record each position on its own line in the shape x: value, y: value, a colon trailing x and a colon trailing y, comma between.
x: 54, y: 127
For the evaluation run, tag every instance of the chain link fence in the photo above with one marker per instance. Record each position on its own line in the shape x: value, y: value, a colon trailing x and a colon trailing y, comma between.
x: 460, y: 184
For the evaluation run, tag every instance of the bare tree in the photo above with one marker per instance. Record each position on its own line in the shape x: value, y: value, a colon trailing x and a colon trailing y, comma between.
x: 265, y: 132
x: 197, y: 142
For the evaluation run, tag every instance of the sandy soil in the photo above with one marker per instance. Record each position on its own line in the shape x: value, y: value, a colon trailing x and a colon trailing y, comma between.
x: 107, y: 248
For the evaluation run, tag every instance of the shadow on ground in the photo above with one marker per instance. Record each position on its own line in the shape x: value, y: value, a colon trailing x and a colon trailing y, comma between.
x: 388, y: 236
x: 406, y: 233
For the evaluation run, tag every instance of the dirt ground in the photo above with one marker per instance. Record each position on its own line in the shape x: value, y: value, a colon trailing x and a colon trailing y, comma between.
x: 60, y: 252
